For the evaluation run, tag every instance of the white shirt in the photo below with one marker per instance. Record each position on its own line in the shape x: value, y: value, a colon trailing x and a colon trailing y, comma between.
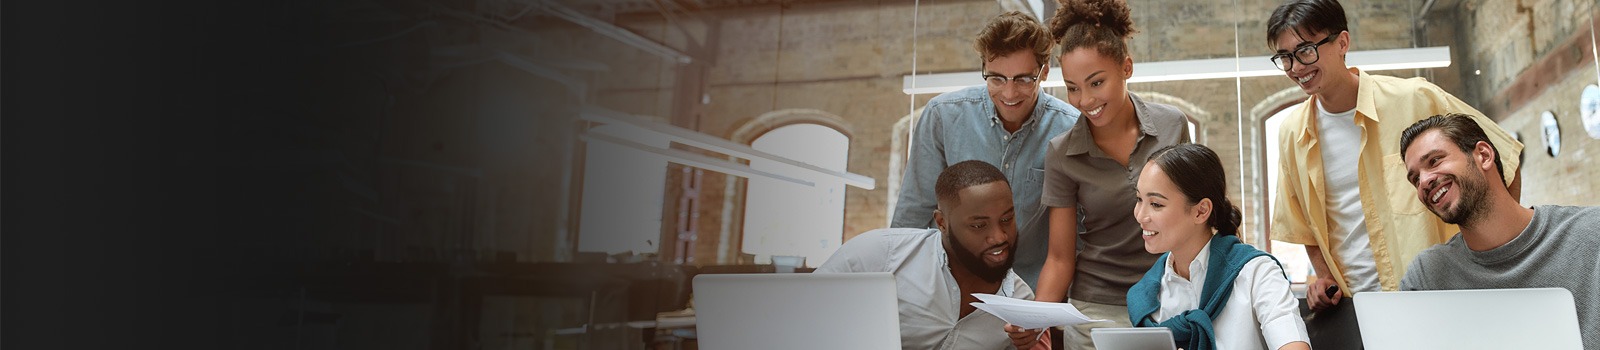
x: 1340, y: 164
x: 930, y: 300
x: 1260, y: 313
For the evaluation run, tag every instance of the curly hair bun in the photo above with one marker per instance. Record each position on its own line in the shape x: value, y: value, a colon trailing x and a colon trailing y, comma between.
x: 1103, y: 15
x: 1101, y: 24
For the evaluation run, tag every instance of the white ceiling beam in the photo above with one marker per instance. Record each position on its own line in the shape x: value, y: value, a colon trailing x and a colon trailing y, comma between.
x: 719, y: 145
x: 577, y: 86
x: 693, y: 159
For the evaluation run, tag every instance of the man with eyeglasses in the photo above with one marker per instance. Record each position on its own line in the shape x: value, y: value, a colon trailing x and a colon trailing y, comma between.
x: 1006, y: 122
x: 1342, y: 190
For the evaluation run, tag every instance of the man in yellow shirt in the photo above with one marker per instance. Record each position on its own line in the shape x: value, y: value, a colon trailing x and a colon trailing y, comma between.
x: 1342, y: 190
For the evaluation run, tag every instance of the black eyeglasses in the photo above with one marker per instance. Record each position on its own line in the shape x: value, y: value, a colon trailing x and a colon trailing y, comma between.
x: 996, y: 80
x: 1305, y: 54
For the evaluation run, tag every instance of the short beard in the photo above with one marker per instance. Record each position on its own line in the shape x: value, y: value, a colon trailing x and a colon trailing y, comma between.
x: 1471, y: 205
x: 973, y: 261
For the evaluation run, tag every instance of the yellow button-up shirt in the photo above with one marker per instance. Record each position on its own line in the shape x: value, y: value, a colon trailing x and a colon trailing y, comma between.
x: 1398, y: 226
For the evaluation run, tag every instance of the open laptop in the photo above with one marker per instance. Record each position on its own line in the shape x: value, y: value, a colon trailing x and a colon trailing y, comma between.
x: 1538, y: 318
x: 797, y: 311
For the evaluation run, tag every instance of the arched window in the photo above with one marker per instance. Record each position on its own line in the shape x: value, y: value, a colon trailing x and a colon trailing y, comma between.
x: 1296, y: 263
x: 788, y: 219
x: 1196, y: 116
x: 622, y: 194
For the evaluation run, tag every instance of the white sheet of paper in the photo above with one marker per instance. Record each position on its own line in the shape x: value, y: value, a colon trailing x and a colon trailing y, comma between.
x: 1031, y: 314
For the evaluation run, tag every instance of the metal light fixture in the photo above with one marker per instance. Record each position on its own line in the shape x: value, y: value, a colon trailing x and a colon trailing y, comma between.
x: 1215, y: 68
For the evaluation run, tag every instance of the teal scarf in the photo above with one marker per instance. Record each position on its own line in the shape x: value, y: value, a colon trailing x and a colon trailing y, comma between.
x: 1192, y: 329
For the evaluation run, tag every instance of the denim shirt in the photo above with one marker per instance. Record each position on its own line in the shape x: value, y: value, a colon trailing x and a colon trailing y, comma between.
x: 962, y: 125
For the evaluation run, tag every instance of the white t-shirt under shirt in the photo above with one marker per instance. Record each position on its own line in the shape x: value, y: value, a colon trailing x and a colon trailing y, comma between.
x: 1339, y: 135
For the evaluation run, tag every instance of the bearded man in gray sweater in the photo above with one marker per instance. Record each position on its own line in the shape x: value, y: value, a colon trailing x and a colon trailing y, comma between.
x: 1502, y: 244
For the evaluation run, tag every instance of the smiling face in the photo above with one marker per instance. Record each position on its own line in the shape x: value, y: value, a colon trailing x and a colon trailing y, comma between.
x: 1168, y: 220
x: 1316, y: 77
x: 1451, y: 183
x: 980, y: 229
x: 1014, y: 101
x: 1097, y: 85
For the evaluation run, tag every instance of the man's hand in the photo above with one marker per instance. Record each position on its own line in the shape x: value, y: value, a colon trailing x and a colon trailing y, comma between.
x: 1317, y: 297
x: 1316, y: 292
x: 1024, y: 339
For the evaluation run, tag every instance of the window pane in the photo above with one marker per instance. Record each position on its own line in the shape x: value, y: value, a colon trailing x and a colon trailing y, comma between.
x: 1293, y: 256
x: 623, y: 189
x: 1192, y: 135
x: 784, y: 218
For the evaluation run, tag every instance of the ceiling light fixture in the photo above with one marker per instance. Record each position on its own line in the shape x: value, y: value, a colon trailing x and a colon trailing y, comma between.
x: 1216, y: 68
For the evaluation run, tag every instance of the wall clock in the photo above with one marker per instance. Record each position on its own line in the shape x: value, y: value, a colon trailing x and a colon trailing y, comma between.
x: 1589, y: 108
x: 1552, y: 133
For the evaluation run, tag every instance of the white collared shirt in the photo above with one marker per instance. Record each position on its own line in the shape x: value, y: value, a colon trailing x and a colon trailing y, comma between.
x: 1261, y: 313
x: 930, y: 299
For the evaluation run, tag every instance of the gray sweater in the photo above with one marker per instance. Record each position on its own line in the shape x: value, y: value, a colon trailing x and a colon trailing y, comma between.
x: 1560, y: 248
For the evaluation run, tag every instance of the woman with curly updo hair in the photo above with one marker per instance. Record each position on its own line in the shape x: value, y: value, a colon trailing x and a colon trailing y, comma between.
x: 1096, y: 251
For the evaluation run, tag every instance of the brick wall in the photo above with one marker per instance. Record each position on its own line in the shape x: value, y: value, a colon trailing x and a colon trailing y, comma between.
x: 1519, y: 59
x: 1503, y: 39
x: 1572, y: 176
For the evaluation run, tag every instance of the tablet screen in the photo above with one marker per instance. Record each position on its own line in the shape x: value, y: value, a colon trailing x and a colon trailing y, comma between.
x: 1147, y: 338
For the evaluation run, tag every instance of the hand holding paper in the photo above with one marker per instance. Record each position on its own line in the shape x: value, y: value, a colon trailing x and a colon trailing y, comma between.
x: 1031, y: 314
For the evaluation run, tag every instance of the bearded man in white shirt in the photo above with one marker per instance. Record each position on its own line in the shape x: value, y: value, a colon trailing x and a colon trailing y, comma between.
x: 937, y: 270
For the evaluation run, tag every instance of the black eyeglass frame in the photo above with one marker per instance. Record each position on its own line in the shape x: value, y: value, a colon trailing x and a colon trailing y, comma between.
x: 1289, y: 64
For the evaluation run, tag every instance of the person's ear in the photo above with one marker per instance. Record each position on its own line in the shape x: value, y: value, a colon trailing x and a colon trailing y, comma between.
x: 1202, y: 212
x: 1344, y: 42
x: 938, y: 220
x: 1483, y: 153
x: 1127, y: 67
